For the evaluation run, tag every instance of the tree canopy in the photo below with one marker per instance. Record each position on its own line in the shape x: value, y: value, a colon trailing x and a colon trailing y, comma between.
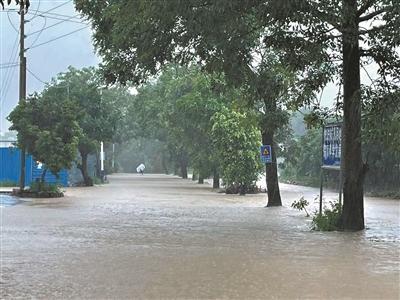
x: 318, y: 41
x: 26, y: 3
x: 48, y: 129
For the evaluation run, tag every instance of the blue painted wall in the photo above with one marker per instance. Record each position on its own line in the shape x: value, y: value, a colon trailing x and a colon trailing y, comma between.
x: 10, y: 168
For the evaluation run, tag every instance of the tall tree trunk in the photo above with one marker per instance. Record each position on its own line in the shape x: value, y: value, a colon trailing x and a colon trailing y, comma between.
x: 201, y: 179
x: 271, y: 170
x: 353, y: 202
x: 216, y: 180
x: 84, y: 169
x: 183, y: 166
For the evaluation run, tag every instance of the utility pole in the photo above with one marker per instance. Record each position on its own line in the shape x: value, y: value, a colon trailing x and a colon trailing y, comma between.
x: 22, y: 82
x: 113, y: 158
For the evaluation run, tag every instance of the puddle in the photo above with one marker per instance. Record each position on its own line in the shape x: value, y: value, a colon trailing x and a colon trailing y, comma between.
x: 6, y: 200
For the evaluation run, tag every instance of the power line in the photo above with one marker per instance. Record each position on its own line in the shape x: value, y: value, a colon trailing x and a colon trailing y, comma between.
x: 59, y: 15
x: 52, y: 25
x: 8, y: 10
x: 9, y: 63
x: 36, y: 77
x: 38, y: 7
x: 9, y: 66
x: 39, y: 31
x: 54, y: 8
x: 69, y: 19
x: 10, y: 72
x: 11, y: 23
x: 57, y: 38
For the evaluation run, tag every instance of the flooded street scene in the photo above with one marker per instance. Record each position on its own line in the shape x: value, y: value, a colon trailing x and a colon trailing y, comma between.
x: 158, y: 236
x: 200, y: 149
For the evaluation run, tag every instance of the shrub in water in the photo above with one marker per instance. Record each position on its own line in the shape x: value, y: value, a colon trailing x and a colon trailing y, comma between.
x: 329, y: 219
x: 301, y: 205
x: 39, y: 186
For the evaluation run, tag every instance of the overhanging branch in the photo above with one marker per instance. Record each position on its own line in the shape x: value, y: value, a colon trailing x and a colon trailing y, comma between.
x: 367, y: 4
x: 371, y: 15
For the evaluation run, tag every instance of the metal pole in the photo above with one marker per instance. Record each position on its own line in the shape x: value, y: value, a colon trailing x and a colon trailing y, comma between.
x: 102, y: 161
x: 22, y: 83
x: 321, y: 173
x: 113, y: 157
x: 342, y: 170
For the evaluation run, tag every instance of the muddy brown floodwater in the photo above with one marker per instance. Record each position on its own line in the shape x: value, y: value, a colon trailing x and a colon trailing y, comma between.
x: 156, y: 236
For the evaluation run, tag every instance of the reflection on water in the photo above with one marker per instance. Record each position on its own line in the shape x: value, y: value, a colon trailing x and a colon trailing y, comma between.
x: 162, y: 237
x: 6, y: 200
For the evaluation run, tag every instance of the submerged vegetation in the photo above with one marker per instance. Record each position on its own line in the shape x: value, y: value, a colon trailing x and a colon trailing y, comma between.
x: 329, y: 220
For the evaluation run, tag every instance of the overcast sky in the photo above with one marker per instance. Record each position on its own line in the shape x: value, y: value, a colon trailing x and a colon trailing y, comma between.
x: 49, y: 59
x: 46, y: 60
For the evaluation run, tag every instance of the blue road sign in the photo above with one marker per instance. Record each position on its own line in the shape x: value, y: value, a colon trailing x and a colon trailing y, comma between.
x: 266, y: 154
x: 332, y: 145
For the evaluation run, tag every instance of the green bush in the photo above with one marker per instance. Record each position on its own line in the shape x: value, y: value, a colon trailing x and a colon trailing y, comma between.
x: 37, y: 187
x: 97, y: 180
x: 8, y: 183
x: 329, y: 219
x: 237, y: 142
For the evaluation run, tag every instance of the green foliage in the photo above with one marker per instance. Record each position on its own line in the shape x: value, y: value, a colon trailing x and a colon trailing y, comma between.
x: 48, y: 129
x: 316, y: 41
x: 26, y: 3
x: 303, y: 158
x: 176, y: 110
x: 153, y: 153
x: 329, y: 219
x: 302, y: 154
x: 236, y: 141
x: 301, y: 204
x: 8, y: 183
x: 99, y: 113
x: 96, y: 115
x: 38, y: 187
x: 97, y: 180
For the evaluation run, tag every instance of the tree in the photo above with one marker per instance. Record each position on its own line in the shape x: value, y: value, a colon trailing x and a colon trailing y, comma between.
x: 236, y: 140
x: 320, y: 41
x: 176, y: 109
x: 336, y: 33
x: 48, y: 129
x: 26, y: 3
x: 179, y: 31
x: 97, y: 119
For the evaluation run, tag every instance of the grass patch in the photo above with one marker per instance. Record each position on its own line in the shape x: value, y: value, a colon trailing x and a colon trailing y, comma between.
x: 8, y: 183
x: 97, y: 180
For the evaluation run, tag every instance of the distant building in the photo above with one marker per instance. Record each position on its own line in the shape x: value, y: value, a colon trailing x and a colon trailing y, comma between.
x: 10, y: 167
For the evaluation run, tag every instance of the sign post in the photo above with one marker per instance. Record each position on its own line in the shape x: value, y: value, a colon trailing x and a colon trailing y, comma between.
x: 331, y: 155
x: 266, y: 154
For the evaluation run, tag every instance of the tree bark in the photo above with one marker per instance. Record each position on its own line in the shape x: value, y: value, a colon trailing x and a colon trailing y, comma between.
x: 201, y: 179
x: 216, y: 180
x: 183, y: 166
x: 84, y: 170
x: 271, y: 171
x: 353, y: 198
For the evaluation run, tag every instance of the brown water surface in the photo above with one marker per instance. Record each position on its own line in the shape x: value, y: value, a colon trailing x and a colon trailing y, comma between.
x: 157, y: 236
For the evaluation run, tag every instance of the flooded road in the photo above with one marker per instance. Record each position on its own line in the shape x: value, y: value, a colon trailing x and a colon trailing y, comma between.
x: 158, y: 236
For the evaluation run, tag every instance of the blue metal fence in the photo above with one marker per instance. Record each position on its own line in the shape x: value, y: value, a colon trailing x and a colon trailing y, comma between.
x: 10, y: 165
